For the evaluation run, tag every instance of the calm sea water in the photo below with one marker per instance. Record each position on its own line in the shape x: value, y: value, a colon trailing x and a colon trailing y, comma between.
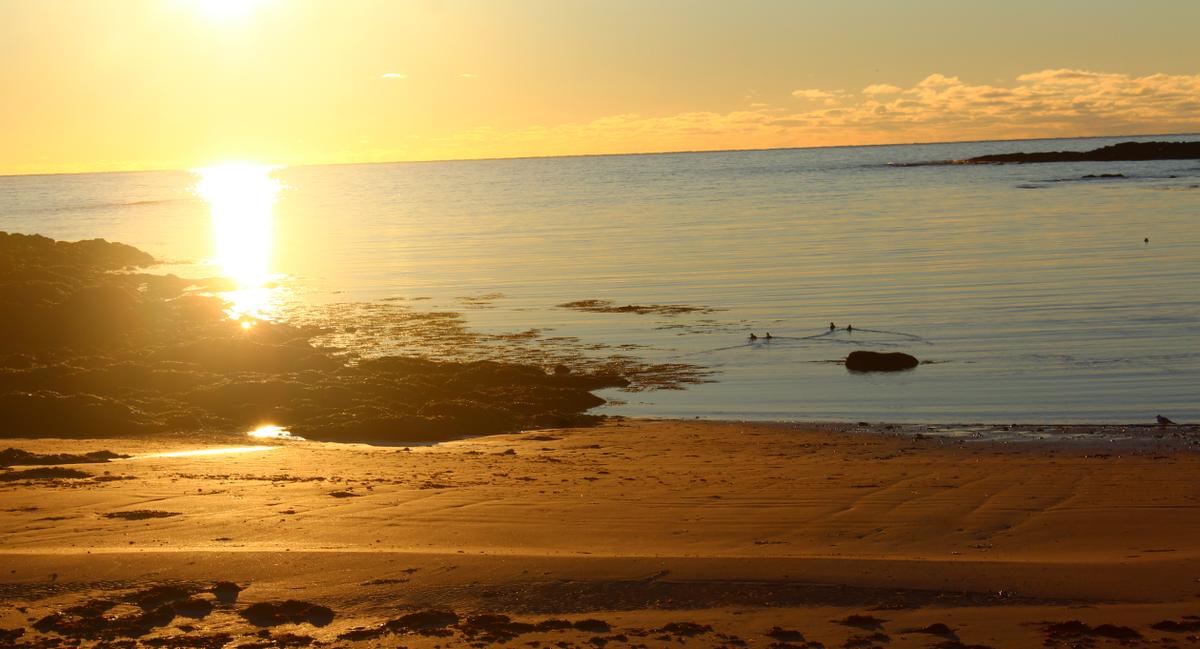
x: 1030, y: 288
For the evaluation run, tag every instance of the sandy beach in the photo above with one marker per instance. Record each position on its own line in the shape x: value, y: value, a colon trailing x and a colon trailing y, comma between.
x: 601, y: 325
x: 633, y: 533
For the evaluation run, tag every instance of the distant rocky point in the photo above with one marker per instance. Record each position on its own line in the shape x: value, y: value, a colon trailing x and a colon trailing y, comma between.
x: 1125, y: 151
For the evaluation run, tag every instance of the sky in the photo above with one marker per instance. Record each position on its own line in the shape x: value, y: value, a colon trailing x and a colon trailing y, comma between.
x: 97, y: 85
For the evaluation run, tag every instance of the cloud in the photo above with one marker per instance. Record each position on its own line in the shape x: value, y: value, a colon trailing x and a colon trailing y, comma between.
x: 1045, y: 103
x: 936, y: 80
x: 392, y: 75
x: 466, y: 75
x: 813, y: 94
x: 882, y: 89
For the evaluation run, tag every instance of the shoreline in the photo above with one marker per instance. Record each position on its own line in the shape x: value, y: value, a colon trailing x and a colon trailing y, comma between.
x: 738, y: 527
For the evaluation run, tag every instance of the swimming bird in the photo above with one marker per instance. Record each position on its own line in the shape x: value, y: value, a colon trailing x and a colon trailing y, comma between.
x: 753, y: 337
x: 1163, y: 421
x: 768, y: 336
x: 832, y: 326
x: 849, y: 327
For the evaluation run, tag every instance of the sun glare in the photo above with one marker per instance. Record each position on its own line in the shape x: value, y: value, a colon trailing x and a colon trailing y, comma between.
x: 241, y: 198
x: 225, y: 9
x: 271, y: 431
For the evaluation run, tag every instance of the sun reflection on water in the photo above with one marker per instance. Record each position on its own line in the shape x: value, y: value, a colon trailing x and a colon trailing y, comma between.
x: 241, y: 198
x: 271, y: 431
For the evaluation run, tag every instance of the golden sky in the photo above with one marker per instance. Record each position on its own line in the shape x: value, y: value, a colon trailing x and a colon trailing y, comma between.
x: 146, y: 84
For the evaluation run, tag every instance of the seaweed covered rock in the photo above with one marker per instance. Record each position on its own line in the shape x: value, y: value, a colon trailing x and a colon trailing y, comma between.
x: 93, y: 348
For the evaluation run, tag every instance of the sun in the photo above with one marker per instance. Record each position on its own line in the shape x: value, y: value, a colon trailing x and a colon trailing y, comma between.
x: 225, y: 9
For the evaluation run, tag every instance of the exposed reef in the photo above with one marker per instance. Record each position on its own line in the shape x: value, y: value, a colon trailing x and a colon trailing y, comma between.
x: 92, y: 347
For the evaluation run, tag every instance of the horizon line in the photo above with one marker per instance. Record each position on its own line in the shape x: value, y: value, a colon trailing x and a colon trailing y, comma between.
x: 609, y: 155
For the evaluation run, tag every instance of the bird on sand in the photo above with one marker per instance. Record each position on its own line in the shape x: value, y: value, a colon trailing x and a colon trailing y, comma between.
x: 1163, y: 421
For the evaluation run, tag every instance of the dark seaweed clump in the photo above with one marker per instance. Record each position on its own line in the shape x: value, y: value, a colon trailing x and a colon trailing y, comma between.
x: 92, y: 347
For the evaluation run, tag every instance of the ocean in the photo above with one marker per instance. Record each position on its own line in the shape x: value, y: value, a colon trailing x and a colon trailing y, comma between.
x: 1030, y: 291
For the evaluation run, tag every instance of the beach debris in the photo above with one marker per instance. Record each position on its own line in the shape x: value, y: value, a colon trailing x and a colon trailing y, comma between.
x: 866, y: 361
x: 427, y: 622
x: 1075, y: 630
x: 866, y: 641
x: 493, y: 628
x: 868, y: 622
x: 937, y: 628
x: 1188, y: 624
x: 683, y: 629
x: 141, y: 514
x: 785, y: 635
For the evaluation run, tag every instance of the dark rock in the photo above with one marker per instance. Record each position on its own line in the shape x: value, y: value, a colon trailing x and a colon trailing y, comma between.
x: 291, y: 611
x: 158, y: 595
x: 226, y: 592
x: 493, y: 629
x: 48, y: 473
x: 862, y: 361
x: 422, y: 621
x: 867, y: 622
x: 592, y: 625
x: 684, y: 629
x: 50, y: 414
x: 1075, y: 629
x: 1186, y: 625
x: 18, y: 457
x: 785, y: 635
x: 937, y: 628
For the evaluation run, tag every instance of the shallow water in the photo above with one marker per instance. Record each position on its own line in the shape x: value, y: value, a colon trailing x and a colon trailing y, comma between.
x: 1030, y: 290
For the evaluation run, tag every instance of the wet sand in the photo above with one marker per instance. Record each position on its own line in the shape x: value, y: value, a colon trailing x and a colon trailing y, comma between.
x: 633, y: 533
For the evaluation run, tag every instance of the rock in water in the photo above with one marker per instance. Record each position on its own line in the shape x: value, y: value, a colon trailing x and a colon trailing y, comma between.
x: 880, y: 362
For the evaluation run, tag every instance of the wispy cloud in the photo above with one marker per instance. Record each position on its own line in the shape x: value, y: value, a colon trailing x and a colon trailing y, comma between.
x: 466, y: 75
x: 814, y: 94
x: 882, y: 89
x: 393, y: 75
